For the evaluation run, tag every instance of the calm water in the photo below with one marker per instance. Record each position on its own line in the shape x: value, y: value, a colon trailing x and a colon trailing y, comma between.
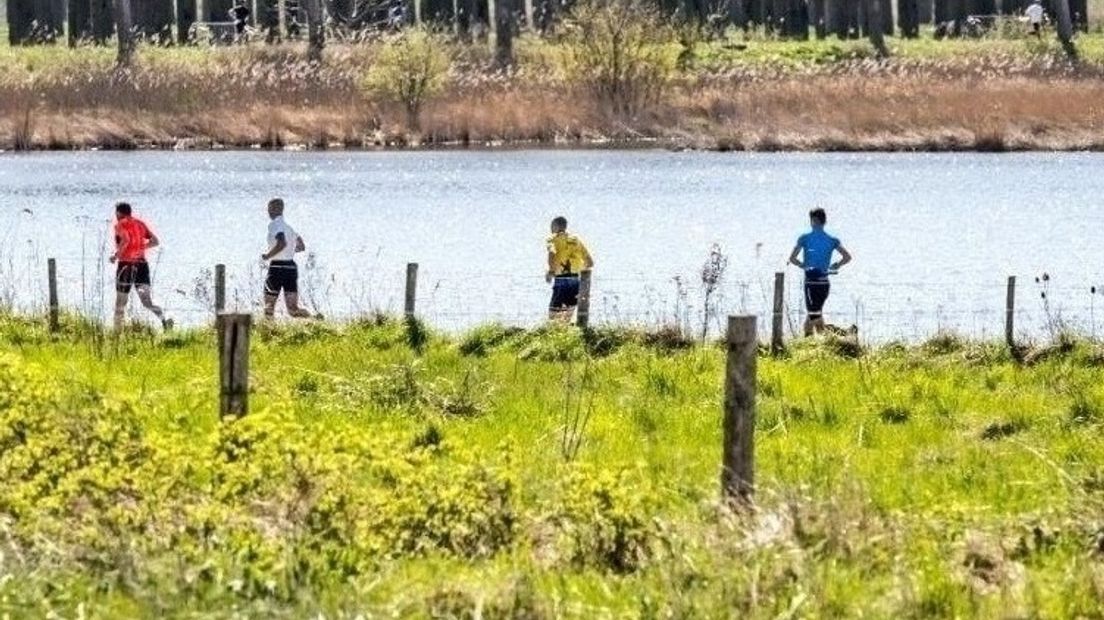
x: 934, y: 236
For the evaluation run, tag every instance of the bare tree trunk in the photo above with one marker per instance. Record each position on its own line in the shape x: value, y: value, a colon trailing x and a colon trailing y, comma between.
x: 818, y: 12
x: 492, y: 21
x: 124, y: 33
x: 185, y: 17
x: 79, y: 21
x: 20, y: 21
x: 504, y: 33
x: 102, y: 18
x: 908, y: 18
x: 316, y: 34
x: 547, y: 14
x: 154, y: 20
x: 1065, y: 27
x: 736, y: 11
x: 529, y: 15
x: 49, y: 18
x: 875, y: 28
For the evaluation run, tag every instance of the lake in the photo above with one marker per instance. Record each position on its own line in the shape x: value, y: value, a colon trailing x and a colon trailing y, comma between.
x: 935, y: 236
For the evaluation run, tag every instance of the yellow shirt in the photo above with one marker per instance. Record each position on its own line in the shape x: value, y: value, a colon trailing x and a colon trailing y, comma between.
x: 569, y: 254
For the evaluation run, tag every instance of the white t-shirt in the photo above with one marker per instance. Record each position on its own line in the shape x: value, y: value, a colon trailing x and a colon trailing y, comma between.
x: 277, y: 226
x: 1034, y: 13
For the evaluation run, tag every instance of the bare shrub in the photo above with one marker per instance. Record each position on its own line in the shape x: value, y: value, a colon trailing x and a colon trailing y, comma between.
x: 621, y: 52
x: 712, y: 274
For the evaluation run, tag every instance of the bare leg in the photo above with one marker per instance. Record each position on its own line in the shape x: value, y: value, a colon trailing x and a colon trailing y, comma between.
x: 291, y: 300
x: 270, y: 306
x: 146, y: 297
x: 120, y: 308
x: 561, y: 315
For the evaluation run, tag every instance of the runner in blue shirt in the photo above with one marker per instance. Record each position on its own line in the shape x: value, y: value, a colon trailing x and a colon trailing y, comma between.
x: 813, y: 253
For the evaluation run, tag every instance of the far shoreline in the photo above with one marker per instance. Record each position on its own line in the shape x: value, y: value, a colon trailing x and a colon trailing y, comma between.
x: 639, y: 144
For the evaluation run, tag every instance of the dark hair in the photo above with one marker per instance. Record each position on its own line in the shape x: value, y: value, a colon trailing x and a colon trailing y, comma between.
x: 560, y: 222
x: 819, y: 216
x: 276, y: 203
x: 123, y: 208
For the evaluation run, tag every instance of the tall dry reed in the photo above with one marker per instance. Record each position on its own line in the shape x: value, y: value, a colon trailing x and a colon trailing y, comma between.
x: 274, y: 98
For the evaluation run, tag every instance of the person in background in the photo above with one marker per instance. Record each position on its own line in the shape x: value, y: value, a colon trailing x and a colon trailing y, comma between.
x: 283, y: 274
x: 294, y: 28
x: 814, y: 253
x: 567, y: 257
x: 1034, y: 14
x: 239, y: 14
x: 132, y: 238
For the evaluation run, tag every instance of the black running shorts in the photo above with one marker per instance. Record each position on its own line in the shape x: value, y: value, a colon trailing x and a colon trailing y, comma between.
x: 817, y: 288
x: 565, y: 293
x: 130, y: 274
x: 283, y: 275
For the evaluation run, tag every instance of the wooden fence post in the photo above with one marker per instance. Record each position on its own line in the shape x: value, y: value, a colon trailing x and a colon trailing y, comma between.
x: 220, y: 288
x: 582, y: 318
x: 233, y: 340
x: 1010, y: 313
x: 51, y: 274
x: 738, y: 465
x: 411, y: 289
x: 777, y: 344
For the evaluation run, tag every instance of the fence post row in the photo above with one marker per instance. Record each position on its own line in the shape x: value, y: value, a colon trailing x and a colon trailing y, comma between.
x: 233, y: 343
x: 51, y: 275
x: 738, y: 464
x: 411, y: 289
x: 777, y: 344
x: 220, y: 288
x: 583, y: 311
x: 1010, y: 314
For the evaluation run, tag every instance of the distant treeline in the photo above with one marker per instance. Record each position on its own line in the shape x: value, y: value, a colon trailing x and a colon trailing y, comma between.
x: 168, y: 21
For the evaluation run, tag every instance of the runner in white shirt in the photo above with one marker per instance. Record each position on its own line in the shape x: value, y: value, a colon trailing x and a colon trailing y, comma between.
x: 1034, y: 13
x: 283, y: 274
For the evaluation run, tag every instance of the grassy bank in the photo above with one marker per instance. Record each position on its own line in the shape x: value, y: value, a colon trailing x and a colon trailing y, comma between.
x: 542, y: 474
x: 735, y: 93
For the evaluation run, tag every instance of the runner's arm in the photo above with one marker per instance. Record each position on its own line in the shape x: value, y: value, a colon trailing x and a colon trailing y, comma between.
x: 588, y: 260
x: 300, y: 245
x: 548, y: 275
x: 845, y: 257
x: 794, y: 257
x: 281, y: 243
x: 120, y: 243
x: 151, y: 240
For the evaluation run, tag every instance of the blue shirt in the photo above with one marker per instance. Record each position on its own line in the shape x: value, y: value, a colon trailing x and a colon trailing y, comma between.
x: 817, y: 247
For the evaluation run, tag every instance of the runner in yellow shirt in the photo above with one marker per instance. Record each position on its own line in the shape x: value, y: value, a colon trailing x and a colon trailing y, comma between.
x: 567, y: 257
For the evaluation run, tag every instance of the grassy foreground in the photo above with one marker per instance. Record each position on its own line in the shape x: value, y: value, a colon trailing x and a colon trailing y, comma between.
x: 374, y: 480
x: 738, y: 92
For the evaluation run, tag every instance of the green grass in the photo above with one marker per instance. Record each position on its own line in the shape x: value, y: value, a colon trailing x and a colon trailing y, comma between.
x: 942, y: 480
x: 757, y: 51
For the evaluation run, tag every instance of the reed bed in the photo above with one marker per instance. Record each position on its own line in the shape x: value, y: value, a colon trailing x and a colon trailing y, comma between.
x: 1001, y: 97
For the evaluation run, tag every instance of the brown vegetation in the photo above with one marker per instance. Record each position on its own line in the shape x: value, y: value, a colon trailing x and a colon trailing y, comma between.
x: 275, y: 99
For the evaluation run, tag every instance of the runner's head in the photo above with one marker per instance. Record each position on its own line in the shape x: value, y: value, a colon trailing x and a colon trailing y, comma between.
x: 818, y: 218
x: 559, y: 224
x: 122, y: 210
x: 275, y: 208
